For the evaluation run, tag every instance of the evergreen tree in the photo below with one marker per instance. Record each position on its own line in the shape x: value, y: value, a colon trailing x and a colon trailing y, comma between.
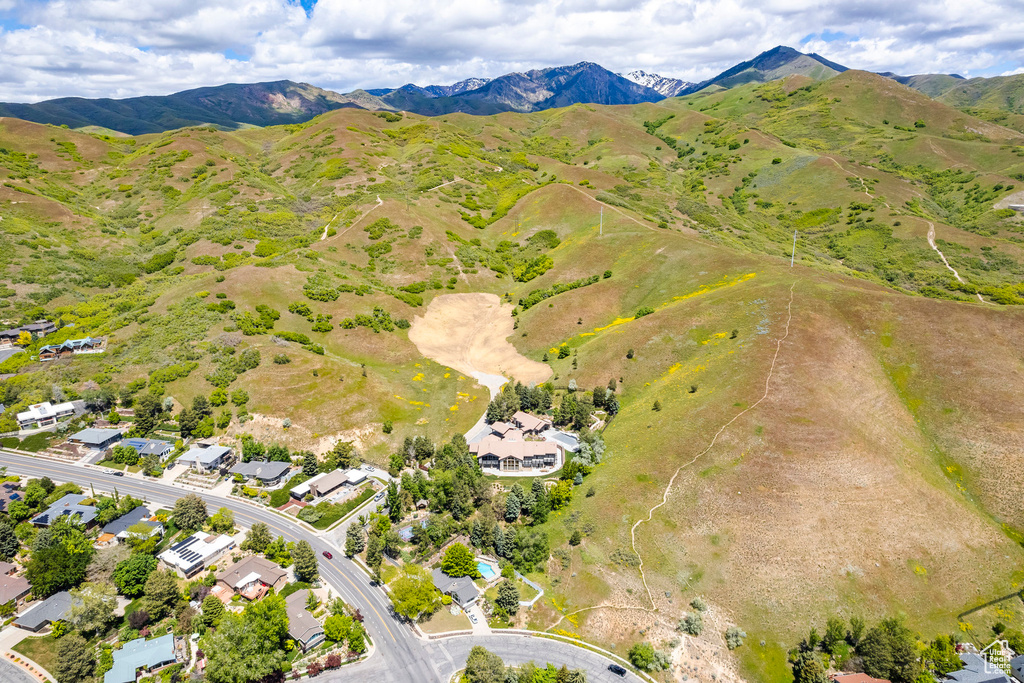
x: 306, y: 567
x: 512, y: 508
x: 310, y: 465
x: 355, y: 540
x: 258, y: 538
x: 508, y: 597
x: 75, y: 660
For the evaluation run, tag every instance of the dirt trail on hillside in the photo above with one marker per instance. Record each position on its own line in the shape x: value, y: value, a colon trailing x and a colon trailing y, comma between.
x: 469, y: 333
x: 931, y: 242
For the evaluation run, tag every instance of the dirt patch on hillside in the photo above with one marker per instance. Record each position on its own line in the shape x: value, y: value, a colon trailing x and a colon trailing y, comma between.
x: 469, y: 332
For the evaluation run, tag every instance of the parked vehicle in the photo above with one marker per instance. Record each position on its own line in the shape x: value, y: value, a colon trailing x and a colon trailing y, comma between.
x: 617, y: 670
x: 472, y: 618
x: 380, y: 495
x: 117, y: 473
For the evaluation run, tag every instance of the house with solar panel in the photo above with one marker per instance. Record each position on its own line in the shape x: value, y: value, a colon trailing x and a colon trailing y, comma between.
x: 197, y: 552
x: 146, y: 447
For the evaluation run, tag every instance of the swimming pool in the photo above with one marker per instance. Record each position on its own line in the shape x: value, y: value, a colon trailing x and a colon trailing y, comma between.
x: 486, y: 570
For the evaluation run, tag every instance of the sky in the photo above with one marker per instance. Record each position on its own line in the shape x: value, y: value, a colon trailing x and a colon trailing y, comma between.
x: 124, y: 48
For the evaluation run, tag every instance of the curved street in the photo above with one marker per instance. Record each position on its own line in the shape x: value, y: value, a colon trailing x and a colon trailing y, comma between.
x: 401, y: 656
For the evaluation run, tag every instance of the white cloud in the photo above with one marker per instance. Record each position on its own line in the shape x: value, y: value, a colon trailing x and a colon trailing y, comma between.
x: 121, y: 48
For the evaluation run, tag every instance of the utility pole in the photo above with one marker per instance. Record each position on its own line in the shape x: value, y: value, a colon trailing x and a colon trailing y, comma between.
x: 793, y: 257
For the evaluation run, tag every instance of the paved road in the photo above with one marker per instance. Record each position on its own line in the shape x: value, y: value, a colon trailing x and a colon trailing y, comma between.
x: 12, y: 673
x: 401, y: 656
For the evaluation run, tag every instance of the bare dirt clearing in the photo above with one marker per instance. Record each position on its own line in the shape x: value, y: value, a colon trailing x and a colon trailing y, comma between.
x: 469, y: 332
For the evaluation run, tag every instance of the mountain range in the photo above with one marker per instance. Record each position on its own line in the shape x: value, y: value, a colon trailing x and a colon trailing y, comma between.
x: 233, y: 105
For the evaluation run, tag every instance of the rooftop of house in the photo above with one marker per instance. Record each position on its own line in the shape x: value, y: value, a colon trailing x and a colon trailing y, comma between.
x: 95, y: 436
x: 39, y: 411
x: 331, y: 481
x: 512, y: 447
x: 49, y: 610
x: 855, y: 678
x: 139, y: 653
x: 124, y: 522
x: 205, y: 455
x: 249, y: 569
x: 462, y: 589
x: 195, y: 550
x: 529, y: 422
x: 302, y: 625
x: 72, y: 344
x: 70, y: 504
x: 261, y: 470
x: 977, y: 670
x: 12, y: 587
x: 147, y: 446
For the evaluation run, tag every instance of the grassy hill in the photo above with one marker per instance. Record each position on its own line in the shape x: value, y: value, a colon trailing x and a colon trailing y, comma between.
x: 879, y: 472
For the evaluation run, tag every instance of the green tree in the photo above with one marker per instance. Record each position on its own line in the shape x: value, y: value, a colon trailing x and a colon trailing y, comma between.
x: 889, y: 650
x: 374, y: 552
x: 148, y: 413
x: 161, y: 594
x: 413, y: 593
x: 60, y: 557
x: 130, y: 575
x: 219, y: 397
x: 189, y: 513
x: 344, y: 454
x: 188, y: 422
x: 641, y: 655
x: 394, y: 502
x: 808, y: 669
x: 355, y: 540
x: 213, y: 610
x: 483, y: 666
x: 337, y: 627
x: 512, y: 508
x: 458, y: 561
x: 74, y: 662
x: 508, y: 597
x: 561, y: 495
x: 835, y: 633
x: 92, y: 607
x: 258, y: 538
x: 9, y: 543
x: 306, y: 567
x: 249, y: 646
x: 223, y: 521
x: 310, y: 465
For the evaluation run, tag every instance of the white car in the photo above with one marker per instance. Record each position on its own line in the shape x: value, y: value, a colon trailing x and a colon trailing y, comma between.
x: 473, y: 619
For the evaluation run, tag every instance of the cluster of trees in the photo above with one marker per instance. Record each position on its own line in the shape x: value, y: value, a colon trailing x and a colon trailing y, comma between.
x: 483, y: 666
x: 888, y: 650
x: 517, y: 397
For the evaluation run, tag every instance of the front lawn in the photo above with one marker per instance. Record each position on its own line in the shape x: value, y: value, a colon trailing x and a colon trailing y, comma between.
x: 443, y: 621
x: 111, y: 464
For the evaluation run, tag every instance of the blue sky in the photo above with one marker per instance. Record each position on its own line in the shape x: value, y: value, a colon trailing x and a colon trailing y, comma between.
x: 121, y: 48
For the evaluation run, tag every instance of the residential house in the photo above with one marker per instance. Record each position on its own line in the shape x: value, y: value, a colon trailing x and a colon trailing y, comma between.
x: 196, y: 553
x: 327, y: 482
x: 41, y: 415
x: 140, y: 654
x: 462, y: 589
x: 512, y: 453
x: 96, y: 439
x: 262, y: 473
x: 71, y: 347
x: 117, y: 531
x: 1017, y: 668
x: 977, y: 669
x: 53, y: 608
x: 303, y: 627
x: 252, y: 577
x: 145, y: 447
x: 39, y: 328
x: 206, y: 458
x: 13, y: 588
x: 70, y: 506
x: 9, y: 492
x: 7, y: 568
x: 529, y: 423
x: 855, y: 678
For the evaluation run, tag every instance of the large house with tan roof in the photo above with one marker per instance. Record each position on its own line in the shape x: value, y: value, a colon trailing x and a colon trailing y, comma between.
x: 252, y: 577
x: 511, y: 452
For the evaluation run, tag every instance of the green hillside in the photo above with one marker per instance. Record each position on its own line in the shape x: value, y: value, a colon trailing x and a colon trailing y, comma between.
x: 840, y: 435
